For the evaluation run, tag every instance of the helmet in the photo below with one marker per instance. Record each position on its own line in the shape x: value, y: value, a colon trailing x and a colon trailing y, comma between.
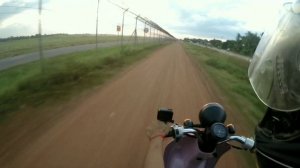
x: 274, y: 71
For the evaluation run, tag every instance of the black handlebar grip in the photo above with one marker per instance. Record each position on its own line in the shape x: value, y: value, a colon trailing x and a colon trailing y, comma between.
x: 165, y: 115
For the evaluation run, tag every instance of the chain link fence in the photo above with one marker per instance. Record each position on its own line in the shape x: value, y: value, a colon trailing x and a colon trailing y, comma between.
x: 50, y: 24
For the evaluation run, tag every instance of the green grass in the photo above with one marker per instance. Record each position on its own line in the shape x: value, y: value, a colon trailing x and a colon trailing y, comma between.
x: 230, y: 74
x: 15, y: 47
x: 63, y: 77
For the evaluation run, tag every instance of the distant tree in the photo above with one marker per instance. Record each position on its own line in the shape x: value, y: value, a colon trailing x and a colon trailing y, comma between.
x: 229, y: 45
x: 186, y: 39
x: 249, y: 43
x: 216, y: 43
x: 238, y: 37
x: 243, y: 44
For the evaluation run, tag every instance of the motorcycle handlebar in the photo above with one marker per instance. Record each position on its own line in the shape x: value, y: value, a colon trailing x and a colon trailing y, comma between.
x: 247, y: 143
x: 178, y: 132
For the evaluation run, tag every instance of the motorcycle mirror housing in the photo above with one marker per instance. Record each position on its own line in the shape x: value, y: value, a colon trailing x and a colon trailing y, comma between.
x: 165, y: 115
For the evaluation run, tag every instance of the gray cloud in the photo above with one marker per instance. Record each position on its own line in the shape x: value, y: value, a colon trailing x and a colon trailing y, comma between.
x: 213, y: 28
x: 199, y: 23
x: 14, y: 7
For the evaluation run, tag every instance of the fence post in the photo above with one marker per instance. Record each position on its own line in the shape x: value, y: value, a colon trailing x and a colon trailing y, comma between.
x: 97, y: 25
x: 144, y: 33
x: 40, y: 37
x: 150, y: 34
x: 122, y: 36
x: 135, y: 34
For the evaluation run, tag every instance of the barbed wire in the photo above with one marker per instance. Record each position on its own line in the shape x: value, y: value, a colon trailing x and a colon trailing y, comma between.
x: 143, y: 19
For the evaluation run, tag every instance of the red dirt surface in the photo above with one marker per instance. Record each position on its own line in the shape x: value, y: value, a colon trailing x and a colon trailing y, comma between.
x: 107, y: 127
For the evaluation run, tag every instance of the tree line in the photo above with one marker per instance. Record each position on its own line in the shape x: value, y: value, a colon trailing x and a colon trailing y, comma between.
x: 243, y: 44
x: 27, y: 37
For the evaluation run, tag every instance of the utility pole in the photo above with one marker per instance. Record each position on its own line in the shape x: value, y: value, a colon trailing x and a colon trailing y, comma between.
x: 40, y: 37
x: 150, y: 33
x: 122, y: 37
x: 97, y: 24
x: 135, y: 31
x: 144, y: 32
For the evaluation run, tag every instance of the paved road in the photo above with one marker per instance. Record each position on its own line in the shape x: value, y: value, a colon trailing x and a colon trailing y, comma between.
x: 26, y: 58
x: 232, y: 54
x: 107, y: 128
x: 227, y: 52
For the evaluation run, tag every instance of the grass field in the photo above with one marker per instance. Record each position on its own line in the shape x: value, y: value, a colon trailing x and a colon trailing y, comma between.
x: 15, y: 47
x: 230, y: 74
x: 63, y: 77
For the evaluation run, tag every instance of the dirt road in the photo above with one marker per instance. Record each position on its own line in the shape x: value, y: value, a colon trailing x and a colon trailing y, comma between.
x: 107, y: 128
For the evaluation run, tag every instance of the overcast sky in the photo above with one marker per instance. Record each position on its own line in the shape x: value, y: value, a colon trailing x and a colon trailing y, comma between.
x: 221, y: 19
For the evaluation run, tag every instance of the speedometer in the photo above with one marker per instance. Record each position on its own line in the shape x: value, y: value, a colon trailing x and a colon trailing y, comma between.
x: 219, y: 131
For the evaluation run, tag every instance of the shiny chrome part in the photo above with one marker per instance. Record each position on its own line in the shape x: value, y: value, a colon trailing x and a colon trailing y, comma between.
x: 180, y: 131
x: 247, y: 143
